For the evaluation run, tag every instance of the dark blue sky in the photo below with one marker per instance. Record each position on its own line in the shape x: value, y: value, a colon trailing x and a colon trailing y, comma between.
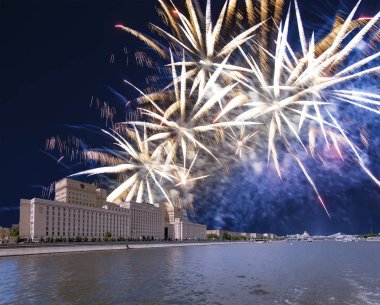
x: 55, y: 56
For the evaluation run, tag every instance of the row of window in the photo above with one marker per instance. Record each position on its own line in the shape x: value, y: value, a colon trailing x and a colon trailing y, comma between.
x: 90, y: 234
x: 72, y: 211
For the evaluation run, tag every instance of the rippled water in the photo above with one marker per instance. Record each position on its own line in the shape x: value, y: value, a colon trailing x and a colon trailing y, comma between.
x: 275, y: 273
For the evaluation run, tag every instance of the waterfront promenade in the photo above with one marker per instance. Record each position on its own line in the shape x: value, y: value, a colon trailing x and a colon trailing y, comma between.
x: 65, y: 248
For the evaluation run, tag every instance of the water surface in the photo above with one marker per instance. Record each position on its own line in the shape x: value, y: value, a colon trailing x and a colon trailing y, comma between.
x: 274, y: 273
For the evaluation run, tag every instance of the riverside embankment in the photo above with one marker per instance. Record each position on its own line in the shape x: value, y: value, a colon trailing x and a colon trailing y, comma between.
x: 65, y: 248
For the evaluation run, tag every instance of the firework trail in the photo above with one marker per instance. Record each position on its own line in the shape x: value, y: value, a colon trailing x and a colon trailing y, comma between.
x: 185, y: 123
x: 139, y: 165
x: 205, y: 44
x: 303, y: 87
x: 245, y: 86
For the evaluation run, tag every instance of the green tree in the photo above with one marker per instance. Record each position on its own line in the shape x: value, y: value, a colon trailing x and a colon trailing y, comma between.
x: 226, y: 236
x: 14, y: 232
x: 212, y: 236
x: 107, y: 235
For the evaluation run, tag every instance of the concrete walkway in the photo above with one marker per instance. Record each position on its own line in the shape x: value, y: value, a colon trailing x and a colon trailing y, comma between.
x: 61, y: 249
x: 85, y: 248
x: 165, y: 245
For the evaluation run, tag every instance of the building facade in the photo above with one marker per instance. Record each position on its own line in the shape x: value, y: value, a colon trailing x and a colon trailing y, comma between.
x: 147, y: 220
x: 178, y: 227
x: 225, y: 233
x: 242, y: 235
x: 80, y: 210
x: 188, y: 231
x: 5, y: 235
x: 77, y: 192
x: 42, y: 219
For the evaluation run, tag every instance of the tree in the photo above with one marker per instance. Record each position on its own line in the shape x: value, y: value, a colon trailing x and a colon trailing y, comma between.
x: 14, y: 232
x: 107, y: 235
x: 226, y: 236
x: 212, y: 236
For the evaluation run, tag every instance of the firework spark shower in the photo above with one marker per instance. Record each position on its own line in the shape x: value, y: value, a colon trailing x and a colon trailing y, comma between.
x: 246, y: 93
x: 190, y: 152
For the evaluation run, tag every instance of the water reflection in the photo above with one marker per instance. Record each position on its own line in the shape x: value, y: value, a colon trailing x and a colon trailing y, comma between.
x: 277, y: 273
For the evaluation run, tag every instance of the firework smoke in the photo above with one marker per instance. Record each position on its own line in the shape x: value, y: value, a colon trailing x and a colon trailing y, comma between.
x: 248, y: 91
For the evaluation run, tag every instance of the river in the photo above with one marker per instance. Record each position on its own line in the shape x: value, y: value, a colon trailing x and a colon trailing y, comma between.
x: 272, y: 273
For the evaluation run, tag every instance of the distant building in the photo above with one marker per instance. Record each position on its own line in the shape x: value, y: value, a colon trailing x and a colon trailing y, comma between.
x: 80, y: 210
x: 221, y: 233
x: 4, y: 235
x: 243, y: 235
x: 178, y: 227
x: 218, y: 233
x: 269, y: 236
x: 254, y: 236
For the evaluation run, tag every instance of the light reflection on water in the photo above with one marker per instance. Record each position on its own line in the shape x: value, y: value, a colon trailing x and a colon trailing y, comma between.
x: 276, y: 273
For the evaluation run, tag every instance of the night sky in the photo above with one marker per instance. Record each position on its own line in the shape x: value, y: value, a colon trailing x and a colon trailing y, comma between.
x: 55, y: 58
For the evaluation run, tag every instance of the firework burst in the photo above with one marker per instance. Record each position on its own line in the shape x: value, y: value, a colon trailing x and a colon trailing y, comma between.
x: 139, y: 167
x: 184, y: 125
x: 205, y: 44
x: 303, y: 87
x: 243, y: 72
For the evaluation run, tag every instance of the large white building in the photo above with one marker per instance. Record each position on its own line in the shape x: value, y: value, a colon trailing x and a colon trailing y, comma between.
x: 77, y: 192
x: 80, y: 210
x: 147, y: 220
x: 178, y: 227
x: 42, y: 219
